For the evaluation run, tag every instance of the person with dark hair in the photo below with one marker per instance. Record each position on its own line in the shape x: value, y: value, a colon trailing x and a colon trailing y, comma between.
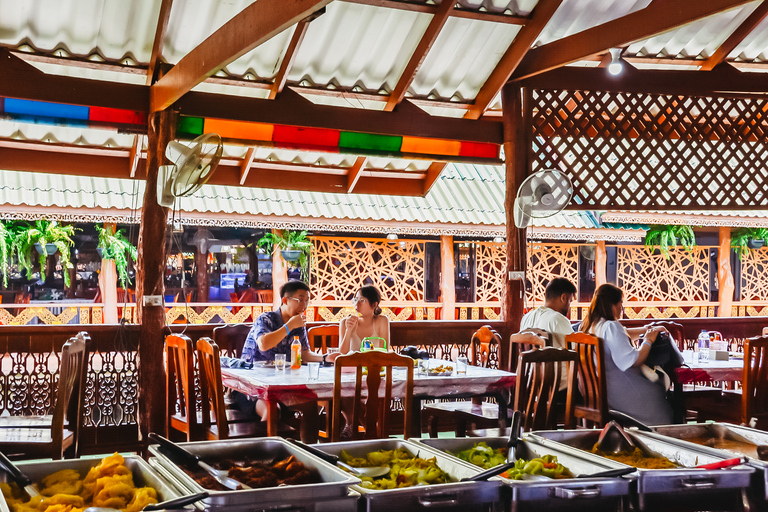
x: 367, y: 321
x: 272, y: 333
x: 629, y: 389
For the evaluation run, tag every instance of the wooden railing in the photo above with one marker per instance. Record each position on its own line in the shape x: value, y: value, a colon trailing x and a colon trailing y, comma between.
x: 52, y: 313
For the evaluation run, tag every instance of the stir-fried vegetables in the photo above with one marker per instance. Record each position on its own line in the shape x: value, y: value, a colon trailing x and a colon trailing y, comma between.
x: 483, y: 455
x: 405, y: 469
x: 545, y: 466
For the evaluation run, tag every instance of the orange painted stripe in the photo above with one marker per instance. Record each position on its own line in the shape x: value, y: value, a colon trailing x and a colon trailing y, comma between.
x: 425, y: 146
x: 239, y: 129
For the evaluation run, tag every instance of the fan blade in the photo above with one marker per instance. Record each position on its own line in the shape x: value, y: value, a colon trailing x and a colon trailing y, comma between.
x: 177, y: 152
x: 522, y: 212
x: 165, y: 178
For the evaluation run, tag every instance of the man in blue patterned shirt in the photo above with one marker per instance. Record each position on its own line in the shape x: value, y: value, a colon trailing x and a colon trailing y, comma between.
x: 271, y: 334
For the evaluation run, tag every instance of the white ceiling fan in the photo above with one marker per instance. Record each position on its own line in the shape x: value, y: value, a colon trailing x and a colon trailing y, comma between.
x: 192, y: 167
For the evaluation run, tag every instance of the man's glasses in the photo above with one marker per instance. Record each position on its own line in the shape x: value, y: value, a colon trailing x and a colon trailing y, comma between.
x: 303, y: 302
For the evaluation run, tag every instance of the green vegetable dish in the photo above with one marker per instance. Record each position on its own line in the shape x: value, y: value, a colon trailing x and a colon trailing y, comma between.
x: 544, y: 466
x: 483, y: 455
x: 405, y: 469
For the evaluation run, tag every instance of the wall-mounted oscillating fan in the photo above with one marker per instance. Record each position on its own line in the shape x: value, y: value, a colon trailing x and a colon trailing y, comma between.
x: 192, y: 167
x: 202, y: 239
x: 543, y: 194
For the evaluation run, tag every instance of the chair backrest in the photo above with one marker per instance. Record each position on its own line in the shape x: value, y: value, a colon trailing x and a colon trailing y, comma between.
x: 323, y: 336
x: 69, y: 396
x: 377, y: 409
x: 591, y: 377
x: 180, y: 381
x: 480, y: 346
x: 754, y: 398
x: 539, y: 372
x: 676, y: 330
x: 231, y: 338
x: 212, y: 389
x: 525, y: 340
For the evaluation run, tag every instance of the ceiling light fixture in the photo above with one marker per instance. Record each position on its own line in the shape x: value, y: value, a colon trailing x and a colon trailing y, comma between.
x: 498, y: 240
x: 615, y: 66
x: 392, y: 236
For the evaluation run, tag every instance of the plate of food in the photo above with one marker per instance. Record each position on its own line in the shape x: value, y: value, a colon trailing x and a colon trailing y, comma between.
x: 441, y: 371
x: 264, y: 364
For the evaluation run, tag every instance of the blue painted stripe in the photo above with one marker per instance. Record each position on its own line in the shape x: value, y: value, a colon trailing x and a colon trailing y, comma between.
x: 45, y: 109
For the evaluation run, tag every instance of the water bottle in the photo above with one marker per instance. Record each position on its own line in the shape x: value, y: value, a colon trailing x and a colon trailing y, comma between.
x: 703, y: 347
x: 295, y: 354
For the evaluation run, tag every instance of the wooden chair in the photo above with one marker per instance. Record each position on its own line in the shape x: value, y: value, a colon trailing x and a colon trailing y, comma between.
x: 377, y: 409
x: 591, y: 376
x: 754, y: 397
x: 539, y: 373
x: 323, y: 336
x: 472, y: 414
x: 231, y: 338
x: 676, y: 330
x: 180, y: 388
x: 46, y: 436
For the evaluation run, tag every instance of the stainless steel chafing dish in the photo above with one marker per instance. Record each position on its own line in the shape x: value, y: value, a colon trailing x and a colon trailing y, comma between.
x: 565, y: 494
x: 686, y: 484
x: 455, y: 495
x: 732, y: 435
x: 333, y: 486
x: 143, y: 474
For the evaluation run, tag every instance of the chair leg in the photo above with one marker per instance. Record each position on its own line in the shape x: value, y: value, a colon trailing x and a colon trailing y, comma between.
x: 432, y: 425
x: 461, y: 427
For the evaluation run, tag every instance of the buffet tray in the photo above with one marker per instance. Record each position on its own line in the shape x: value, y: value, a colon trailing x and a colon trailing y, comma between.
x: 454, y: 495
x: 558, y: 494
x: 143, y: 474
x: 687, y: 483
x: 681, y: 434
x: 334, y: 482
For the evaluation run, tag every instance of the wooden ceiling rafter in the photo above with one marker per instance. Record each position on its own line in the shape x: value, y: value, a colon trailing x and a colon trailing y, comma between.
x: 355, y: 172
x: 520, y: 46
x: 245, y: 165
x: 658, y: 17
x: 135, y: 154
x: 738, y: 35
x: 509, y: 19
x: 157, y: 45
x: 288, y: 58
x: 252, y: 26
x: 433, y: 173
x: 437, y: 23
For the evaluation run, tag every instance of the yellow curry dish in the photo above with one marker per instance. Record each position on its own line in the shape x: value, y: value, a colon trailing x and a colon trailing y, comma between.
x: 637, y: 459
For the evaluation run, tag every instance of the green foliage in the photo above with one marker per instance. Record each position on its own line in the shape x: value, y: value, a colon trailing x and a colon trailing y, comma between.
x: 43, y: 232
x: 670, y: 236
x: 742, y: 236
x: 114, y: 247
x: 6, y: 241
x: 289, y: 241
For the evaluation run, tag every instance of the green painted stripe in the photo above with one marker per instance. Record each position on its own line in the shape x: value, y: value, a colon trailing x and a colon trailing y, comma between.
x: 191, y: 125
x: 385, y: 143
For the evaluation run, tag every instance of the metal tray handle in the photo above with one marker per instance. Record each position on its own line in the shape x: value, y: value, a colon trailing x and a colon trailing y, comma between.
x: 570, y: 494
x: 447, y: 500
x: 697, y: 483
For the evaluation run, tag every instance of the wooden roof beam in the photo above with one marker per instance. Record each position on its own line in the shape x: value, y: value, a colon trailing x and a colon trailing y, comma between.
x: 157, y: 45
x: 246, y: 164
x: 659, y: 16
x: 135, y: 154
x: 420, y: 53
x: 355, y: 172
x: 470, y: 14
x: 254, y: 25
x: 541, y: 15
x: 288, y: 58
x: 738, y: 35
x: 433, y: 173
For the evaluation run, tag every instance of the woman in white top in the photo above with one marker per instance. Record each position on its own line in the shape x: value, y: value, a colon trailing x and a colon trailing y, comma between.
x: 366, y: 322
x: 629, y: 391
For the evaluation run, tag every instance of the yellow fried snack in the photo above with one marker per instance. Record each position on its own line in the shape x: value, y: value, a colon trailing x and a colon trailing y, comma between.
x: 141, y: 498
x: 64, y: 499
x: 66, y: 481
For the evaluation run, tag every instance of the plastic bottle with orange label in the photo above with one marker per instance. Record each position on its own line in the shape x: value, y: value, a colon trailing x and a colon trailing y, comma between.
x: 295, y: 354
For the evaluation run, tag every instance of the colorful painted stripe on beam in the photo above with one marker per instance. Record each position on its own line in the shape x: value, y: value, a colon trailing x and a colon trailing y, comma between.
x: 62, y: 114
x: 335, y: 141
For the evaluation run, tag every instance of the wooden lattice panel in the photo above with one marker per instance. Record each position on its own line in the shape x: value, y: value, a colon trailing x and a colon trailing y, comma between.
x: 653, y: 151
x: 490, y: 265
x: 546, y: 262
x: 340, y: 266
x: 754, y: 269
x: 648, y: 276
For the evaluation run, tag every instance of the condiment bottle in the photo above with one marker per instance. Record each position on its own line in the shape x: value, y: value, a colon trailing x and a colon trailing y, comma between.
x: 295, y: 354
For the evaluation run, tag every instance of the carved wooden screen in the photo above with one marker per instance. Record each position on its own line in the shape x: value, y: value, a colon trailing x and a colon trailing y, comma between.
x: 754, y: 268
x: 490, y: 268
x: 653, y: 151
x: 546, y: 262
x: 340, y: 266
x: 649, y: 277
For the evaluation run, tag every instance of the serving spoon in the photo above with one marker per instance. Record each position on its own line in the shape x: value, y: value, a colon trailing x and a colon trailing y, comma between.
x: 370, y: 472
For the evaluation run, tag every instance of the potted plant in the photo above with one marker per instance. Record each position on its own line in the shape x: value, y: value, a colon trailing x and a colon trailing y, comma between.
x: 114, y: 246
x: 670, y: 236
x: 46, y: 237
x: 294, y: 247
x: 744, y: 239
x: 6, y: 241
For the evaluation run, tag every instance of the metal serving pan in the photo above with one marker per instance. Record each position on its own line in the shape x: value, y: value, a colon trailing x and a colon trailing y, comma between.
x: 467, y: 496
x: 686, y: 484
x: 334, y: 482
x: 565, y: 494
x: 143, y: 474
x: 722, y: 431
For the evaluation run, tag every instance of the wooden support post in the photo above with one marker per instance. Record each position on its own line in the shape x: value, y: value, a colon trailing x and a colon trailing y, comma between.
x: 279, y: 274
x: 601, y: 263
x: 447, y: 281
x: 72, y: 288
x: 724, y: 273
x: 108, y: 285
x: 150, y: 280
x: 201, y: 272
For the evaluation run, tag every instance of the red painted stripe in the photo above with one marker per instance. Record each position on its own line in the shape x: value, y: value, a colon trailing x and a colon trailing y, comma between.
x: 317, y: 137
x: 119, y: 116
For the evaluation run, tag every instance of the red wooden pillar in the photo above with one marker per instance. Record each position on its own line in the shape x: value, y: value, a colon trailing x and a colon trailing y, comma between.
x: 108, y: 285
x: 150, y: 280
x: 447, y: 280
x: 279, y: 274
x: 517, y: 128
x: 201, y: 271
x: 724, y: 274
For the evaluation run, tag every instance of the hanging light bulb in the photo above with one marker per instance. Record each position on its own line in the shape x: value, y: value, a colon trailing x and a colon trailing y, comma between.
x: 615, y: 66
x: 392, y: 236
x: 498, y: 240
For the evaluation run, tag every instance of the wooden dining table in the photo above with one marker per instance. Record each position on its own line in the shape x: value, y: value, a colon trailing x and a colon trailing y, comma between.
x: 711, y: 371
x: 291, y: 387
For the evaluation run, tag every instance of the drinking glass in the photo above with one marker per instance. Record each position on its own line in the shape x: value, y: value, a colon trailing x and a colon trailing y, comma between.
x: 462, y: 365
x: 423, y: 366
x: 314, y: 370
x: 280, y: 362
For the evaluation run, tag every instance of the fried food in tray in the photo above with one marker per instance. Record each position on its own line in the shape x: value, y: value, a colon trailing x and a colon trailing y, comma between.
x: 257, y: 474
x: 110, y: 484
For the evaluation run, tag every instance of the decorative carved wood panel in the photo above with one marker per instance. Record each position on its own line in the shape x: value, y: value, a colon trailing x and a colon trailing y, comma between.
x: 653, y: 151
x: 490, y: 267
x: 649, y: 276
x: 754, y: 268
x: 546, y: 262
x: 340, y: 266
